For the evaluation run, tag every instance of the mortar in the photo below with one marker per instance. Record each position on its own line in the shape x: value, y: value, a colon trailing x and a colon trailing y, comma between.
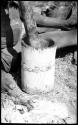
x: 38, y: 68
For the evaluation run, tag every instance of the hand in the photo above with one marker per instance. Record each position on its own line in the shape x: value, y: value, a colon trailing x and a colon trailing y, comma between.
x: 18, y: 96
x: 6, y: 81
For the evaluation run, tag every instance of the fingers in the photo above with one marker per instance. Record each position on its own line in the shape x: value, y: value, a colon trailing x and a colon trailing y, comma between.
x: 30, y: 101
x: 26, y: 103
x: 29, y: 106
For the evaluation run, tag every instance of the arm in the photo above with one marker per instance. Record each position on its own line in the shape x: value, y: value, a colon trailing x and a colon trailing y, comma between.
x: 61, y: 38
x: 55, y: 22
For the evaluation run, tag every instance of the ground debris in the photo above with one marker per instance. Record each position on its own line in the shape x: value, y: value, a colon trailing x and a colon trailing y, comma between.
x: 63, y: 95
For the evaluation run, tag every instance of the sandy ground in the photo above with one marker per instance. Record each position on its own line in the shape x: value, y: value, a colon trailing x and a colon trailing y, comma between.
x: 58, y: 106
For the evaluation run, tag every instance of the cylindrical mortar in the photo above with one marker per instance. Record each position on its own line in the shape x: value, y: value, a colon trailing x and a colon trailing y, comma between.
x: 38, y: 69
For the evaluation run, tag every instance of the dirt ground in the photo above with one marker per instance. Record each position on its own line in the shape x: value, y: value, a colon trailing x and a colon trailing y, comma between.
x: 58, y: 106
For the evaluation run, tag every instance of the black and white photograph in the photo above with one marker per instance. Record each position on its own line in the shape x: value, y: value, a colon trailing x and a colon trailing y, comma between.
x: 39, y: 62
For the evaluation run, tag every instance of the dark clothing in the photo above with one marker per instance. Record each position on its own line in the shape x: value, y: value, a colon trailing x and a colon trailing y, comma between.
x: 6, y: 30
x: 8, y: 54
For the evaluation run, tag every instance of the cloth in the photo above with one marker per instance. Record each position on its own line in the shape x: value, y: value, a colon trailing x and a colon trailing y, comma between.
x: 6, y: 59
x: 8, y: 40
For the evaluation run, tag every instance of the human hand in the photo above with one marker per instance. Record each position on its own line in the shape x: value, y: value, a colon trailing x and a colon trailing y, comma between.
x: 6, y: 81
x: 18, y: 96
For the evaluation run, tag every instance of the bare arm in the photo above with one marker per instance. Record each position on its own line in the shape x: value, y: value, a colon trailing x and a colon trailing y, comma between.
x: 56, y: 22
x: 61, y: 38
